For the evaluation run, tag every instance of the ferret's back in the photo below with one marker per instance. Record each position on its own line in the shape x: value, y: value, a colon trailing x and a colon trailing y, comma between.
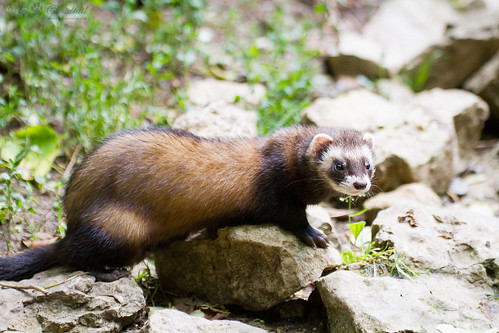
x: 169, y: 175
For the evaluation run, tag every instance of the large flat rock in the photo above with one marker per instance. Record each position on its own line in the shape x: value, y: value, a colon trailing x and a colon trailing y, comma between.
x: 452, y: 238
x: 255, y: 267
x: 365, y: 304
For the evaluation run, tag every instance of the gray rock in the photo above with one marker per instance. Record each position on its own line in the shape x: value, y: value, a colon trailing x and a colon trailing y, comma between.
x: 413, y: 153
x: 491, y: 5
x: 255, y: 267
x: 75, y: 303
x: 462, y: 113
x: 458, y: 186
x: 452, y: 239
x: 468, y: 43
x: 360, y: 109
x: 395, y: 34
x: 455, y: 250
x: 414, y: 191
x: 394, y: 91
x: 483, y: 186
x: 485, y: 83
x: 384, y: 304
x: 174, y: 321
x: 207, y: 91
x: 218, y: 119
x: 356, y: 55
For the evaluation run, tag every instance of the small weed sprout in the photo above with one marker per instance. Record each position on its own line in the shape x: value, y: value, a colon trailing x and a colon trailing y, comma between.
x: 375, y: 261
x: 57, y: 206
x: 416, y: 78
x: 148, y: 283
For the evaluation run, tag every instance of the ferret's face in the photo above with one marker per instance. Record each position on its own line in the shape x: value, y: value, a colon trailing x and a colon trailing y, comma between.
x: 349, y: 172
x: 347, y: 168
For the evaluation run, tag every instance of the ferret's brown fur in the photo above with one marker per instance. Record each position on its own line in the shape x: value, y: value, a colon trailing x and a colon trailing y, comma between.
x: 142, y: 188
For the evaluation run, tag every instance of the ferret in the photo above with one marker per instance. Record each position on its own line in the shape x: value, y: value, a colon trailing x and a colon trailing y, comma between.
x: 143, y: 188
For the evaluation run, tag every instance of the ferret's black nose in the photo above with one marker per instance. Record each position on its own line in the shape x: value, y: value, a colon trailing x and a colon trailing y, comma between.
x: 360, y: 185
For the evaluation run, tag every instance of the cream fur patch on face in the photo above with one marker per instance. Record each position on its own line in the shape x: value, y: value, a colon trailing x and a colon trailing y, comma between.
x: 358, y: 154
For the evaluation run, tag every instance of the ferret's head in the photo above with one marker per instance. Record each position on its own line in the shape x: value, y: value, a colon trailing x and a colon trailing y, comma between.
x: 344, y: 159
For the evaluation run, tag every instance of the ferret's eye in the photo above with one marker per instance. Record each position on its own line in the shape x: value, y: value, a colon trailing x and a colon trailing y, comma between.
x: 338, y: 166
x: 368, y: 166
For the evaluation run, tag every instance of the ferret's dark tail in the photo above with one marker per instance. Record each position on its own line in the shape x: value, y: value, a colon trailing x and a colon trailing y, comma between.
x: 28, y: 263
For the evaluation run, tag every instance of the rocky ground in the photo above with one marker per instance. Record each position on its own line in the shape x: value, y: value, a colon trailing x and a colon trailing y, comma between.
x: 436, y: 202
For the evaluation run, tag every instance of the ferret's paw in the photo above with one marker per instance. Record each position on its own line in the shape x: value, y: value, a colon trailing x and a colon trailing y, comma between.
x: 110, y: 275
x: 315, y: 238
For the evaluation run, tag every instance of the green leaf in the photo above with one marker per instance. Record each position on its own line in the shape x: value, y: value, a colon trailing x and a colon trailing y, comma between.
x: 40, y: 145
x: 359, y: 213
x: 320, y: 8
x: 155, y: 308
x: 347, y: 256
x: 356, y: 228
x: 197, y: 313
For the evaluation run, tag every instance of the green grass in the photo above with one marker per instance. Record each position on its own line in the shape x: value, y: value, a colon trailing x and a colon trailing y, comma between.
x: 417, y: 77
x: 374, y: 261
x: 85, y: 77
x: 82, y: 73
x: 276, y: 55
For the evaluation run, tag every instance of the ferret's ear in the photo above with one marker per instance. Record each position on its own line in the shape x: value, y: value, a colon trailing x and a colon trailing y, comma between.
x: 319, y: 145
x: 368, y: 137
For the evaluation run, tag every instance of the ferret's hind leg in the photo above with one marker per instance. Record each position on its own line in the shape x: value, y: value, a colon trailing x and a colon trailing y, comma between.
x: 108, y: 241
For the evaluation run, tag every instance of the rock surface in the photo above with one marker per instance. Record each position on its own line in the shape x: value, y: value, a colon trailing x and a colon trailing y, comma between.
x: 463, y: 113
x: 360, y: 109
x: 209, y: 90
x: 414, y: 191
x: 452, y: 238
x: 397, y: 32
x: 468, y: 43
x: 75, y: 303
x: 218, y: 119
x: 456, y: 252
x: 411, y: 154
x: 483, y: 183
x: 485, y: 83
x: 174, y: 321
x: 255, y: 267
x: 394, y: 91
x: 384, y: 304
x: 356, y: 55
